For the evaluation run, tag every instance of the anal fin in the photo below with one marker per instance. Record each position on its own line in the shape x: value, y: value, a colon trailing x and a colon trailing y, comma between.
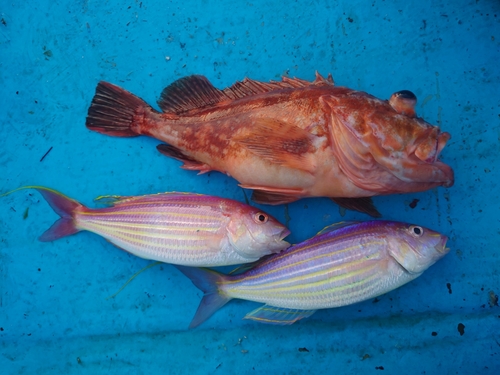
x: 278, y: 315
x: 363, y: 204
x: 189, y: 163
x: 273, y: 196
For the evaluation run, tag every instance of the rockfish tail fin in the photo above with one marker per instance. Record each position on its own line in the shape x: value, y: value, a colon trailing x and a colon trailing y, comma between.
x: 114, y: 110
x: 208, y: 282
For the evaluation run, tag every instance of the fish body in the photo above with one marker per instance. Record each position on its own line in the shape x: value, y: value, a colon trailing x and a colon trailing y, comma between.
x: 179, y: 228
x: 286, y: 140
x: 337, y: 268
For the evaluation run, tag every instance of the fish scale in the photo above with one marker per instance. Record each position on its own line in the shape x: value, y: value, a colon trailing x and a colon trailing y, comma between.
x: 179, y: 228
x: 286, y: 140
x: 338, y: 267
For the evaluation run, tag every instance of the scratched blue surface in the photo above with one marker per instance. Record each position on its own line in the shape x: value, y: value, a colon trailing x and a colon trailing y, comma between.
x: 55, y: 315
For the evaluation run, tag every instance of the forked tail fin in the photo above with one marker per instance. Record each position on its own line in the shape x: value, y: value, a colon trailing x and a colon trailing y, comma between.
x: 63, y: 206
x: 113, y: 110
x: 208, y: 282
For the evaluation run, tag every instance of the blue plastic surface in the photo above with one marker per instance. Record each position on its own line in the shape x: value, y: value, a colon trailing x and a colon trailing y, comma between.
x: 55, y: 315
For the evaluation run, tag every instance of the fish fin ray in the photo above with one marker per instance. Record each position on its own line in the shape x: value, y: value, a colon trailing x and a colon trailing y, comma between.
x: 208, y: 282
x: 112, y: 110
x: 278, y: 315
x: 262, y: 195
x: 280, y: 143
x: 196, y: 91
x: 61, y: 228
x: 115, y: 200
x: 63, y: 206
x: 335, y: 226
x: 187, y: 93
x: 189, y: 163
x: 249, y: 87
x: 363, y: 204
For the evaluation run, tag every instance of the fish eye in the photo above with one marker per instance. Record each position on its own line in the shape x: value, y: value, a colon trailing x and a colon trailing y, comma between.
x: 416, y: 231
x: 261, y: 217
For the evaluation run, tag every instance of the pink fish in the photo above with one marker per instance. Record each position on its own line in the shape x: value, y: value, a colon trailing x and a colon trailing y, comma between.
x: 342, y: 265
x: 286, y: 140
x: 179, y: 228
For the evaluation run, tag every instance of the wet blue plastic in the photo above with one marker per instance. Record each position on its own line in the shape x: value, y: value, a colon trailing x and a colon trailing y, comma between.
x: 55, y: 315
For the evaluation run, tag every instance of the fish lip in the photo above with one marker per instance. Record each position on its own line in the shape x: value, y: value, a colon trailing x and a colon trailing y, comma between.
x: 448, y: 173
x: 441, y: 246
x: 285, y: 233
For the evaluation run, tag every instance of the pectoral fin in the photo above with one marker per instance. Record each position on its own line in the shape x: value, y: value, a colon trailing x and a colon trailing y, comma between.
x: 280, y: 143
x: 278, y: 315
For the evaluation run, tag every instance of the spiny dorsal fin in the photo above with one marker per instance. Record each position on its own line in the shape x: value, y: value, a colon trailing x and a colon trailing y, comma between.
x: 188, y: 93
x: 195, y: 92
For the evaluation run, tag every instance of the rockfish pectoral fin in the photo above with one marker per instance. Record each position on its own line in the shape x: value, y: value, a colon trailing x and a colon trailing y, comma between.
x: 278, y: 315
x: 280, y: 143
x: 189, y: 163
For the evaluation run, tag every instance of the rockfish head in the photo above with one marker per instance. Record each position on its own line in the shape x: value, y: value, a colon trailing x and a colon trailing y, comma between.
x: 254, y: 233
x: 382, y: 146
x: 414, y: 247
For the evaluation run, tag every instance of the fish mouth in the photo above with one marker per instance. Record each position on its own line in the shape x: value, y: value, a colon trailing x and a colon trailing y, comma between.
x: 285, y: 233
x: 441, y: 246
x: 447, y: 172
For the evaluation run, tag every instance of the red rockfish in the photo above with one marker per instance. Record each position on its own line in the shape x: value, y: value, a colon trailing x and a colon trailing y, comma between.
x: 178, y: 228
x: 286, y: 140
x: 342, y: 265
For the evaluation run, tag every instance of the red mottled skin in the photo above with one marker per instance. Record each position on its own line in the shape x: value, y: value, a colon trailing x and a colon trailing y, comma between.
x: 314, y: 139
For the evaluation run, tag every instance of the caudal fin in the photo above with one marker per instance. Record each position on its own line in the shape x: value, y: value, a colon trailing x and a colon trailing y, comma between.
x: 207, y: 281
x: 63, y: 206
x: 113, y: 109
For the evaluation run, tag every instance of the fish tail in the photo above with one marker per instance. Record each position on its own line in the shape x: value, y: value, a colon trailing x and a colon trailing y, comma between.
x: 208, y: 282
x: 64, y: 207
x: 114, y: 110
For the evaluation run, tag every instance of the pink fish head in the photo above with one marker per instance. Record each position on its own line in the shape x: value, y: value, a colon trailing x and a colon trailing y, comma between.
x: 384, y: 147
x: 254, y: 233
x: 414, y: 247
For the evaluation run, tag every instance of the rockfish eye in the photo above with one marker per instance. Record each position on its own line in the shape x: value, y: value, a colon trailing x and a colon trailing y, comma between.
x: 261, y: 217
x: 416, y: 231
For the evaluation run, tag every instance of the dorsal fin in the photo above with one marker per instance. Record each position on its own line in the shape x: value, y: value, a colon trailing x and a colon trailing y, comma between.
x: 335, y: 226
x: 195, y: 92
x: 114, y: 200
x: 189, y: 93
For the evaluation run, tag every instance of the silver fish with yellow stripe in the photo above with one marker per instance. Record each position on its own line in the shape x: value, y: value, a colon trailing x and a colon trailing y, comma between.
x: 179, y: 228
x: 342, y: 265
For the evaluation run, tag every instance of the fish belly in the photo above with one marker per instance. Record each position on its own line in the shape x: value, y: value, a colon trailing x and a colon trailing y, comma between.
x: 178, y: 238
x: 324, y: 281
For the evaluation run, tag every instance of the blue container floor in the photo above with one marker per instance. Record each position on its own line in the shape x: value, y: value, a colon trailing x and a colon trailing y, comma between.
x: 56, y: 314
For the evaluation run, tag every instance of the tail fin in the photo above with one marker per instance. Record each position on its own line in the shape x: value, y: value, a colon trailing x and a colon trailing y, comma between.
x: 112, y: 110
x: 63, y: 206
x: 207, y: 281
